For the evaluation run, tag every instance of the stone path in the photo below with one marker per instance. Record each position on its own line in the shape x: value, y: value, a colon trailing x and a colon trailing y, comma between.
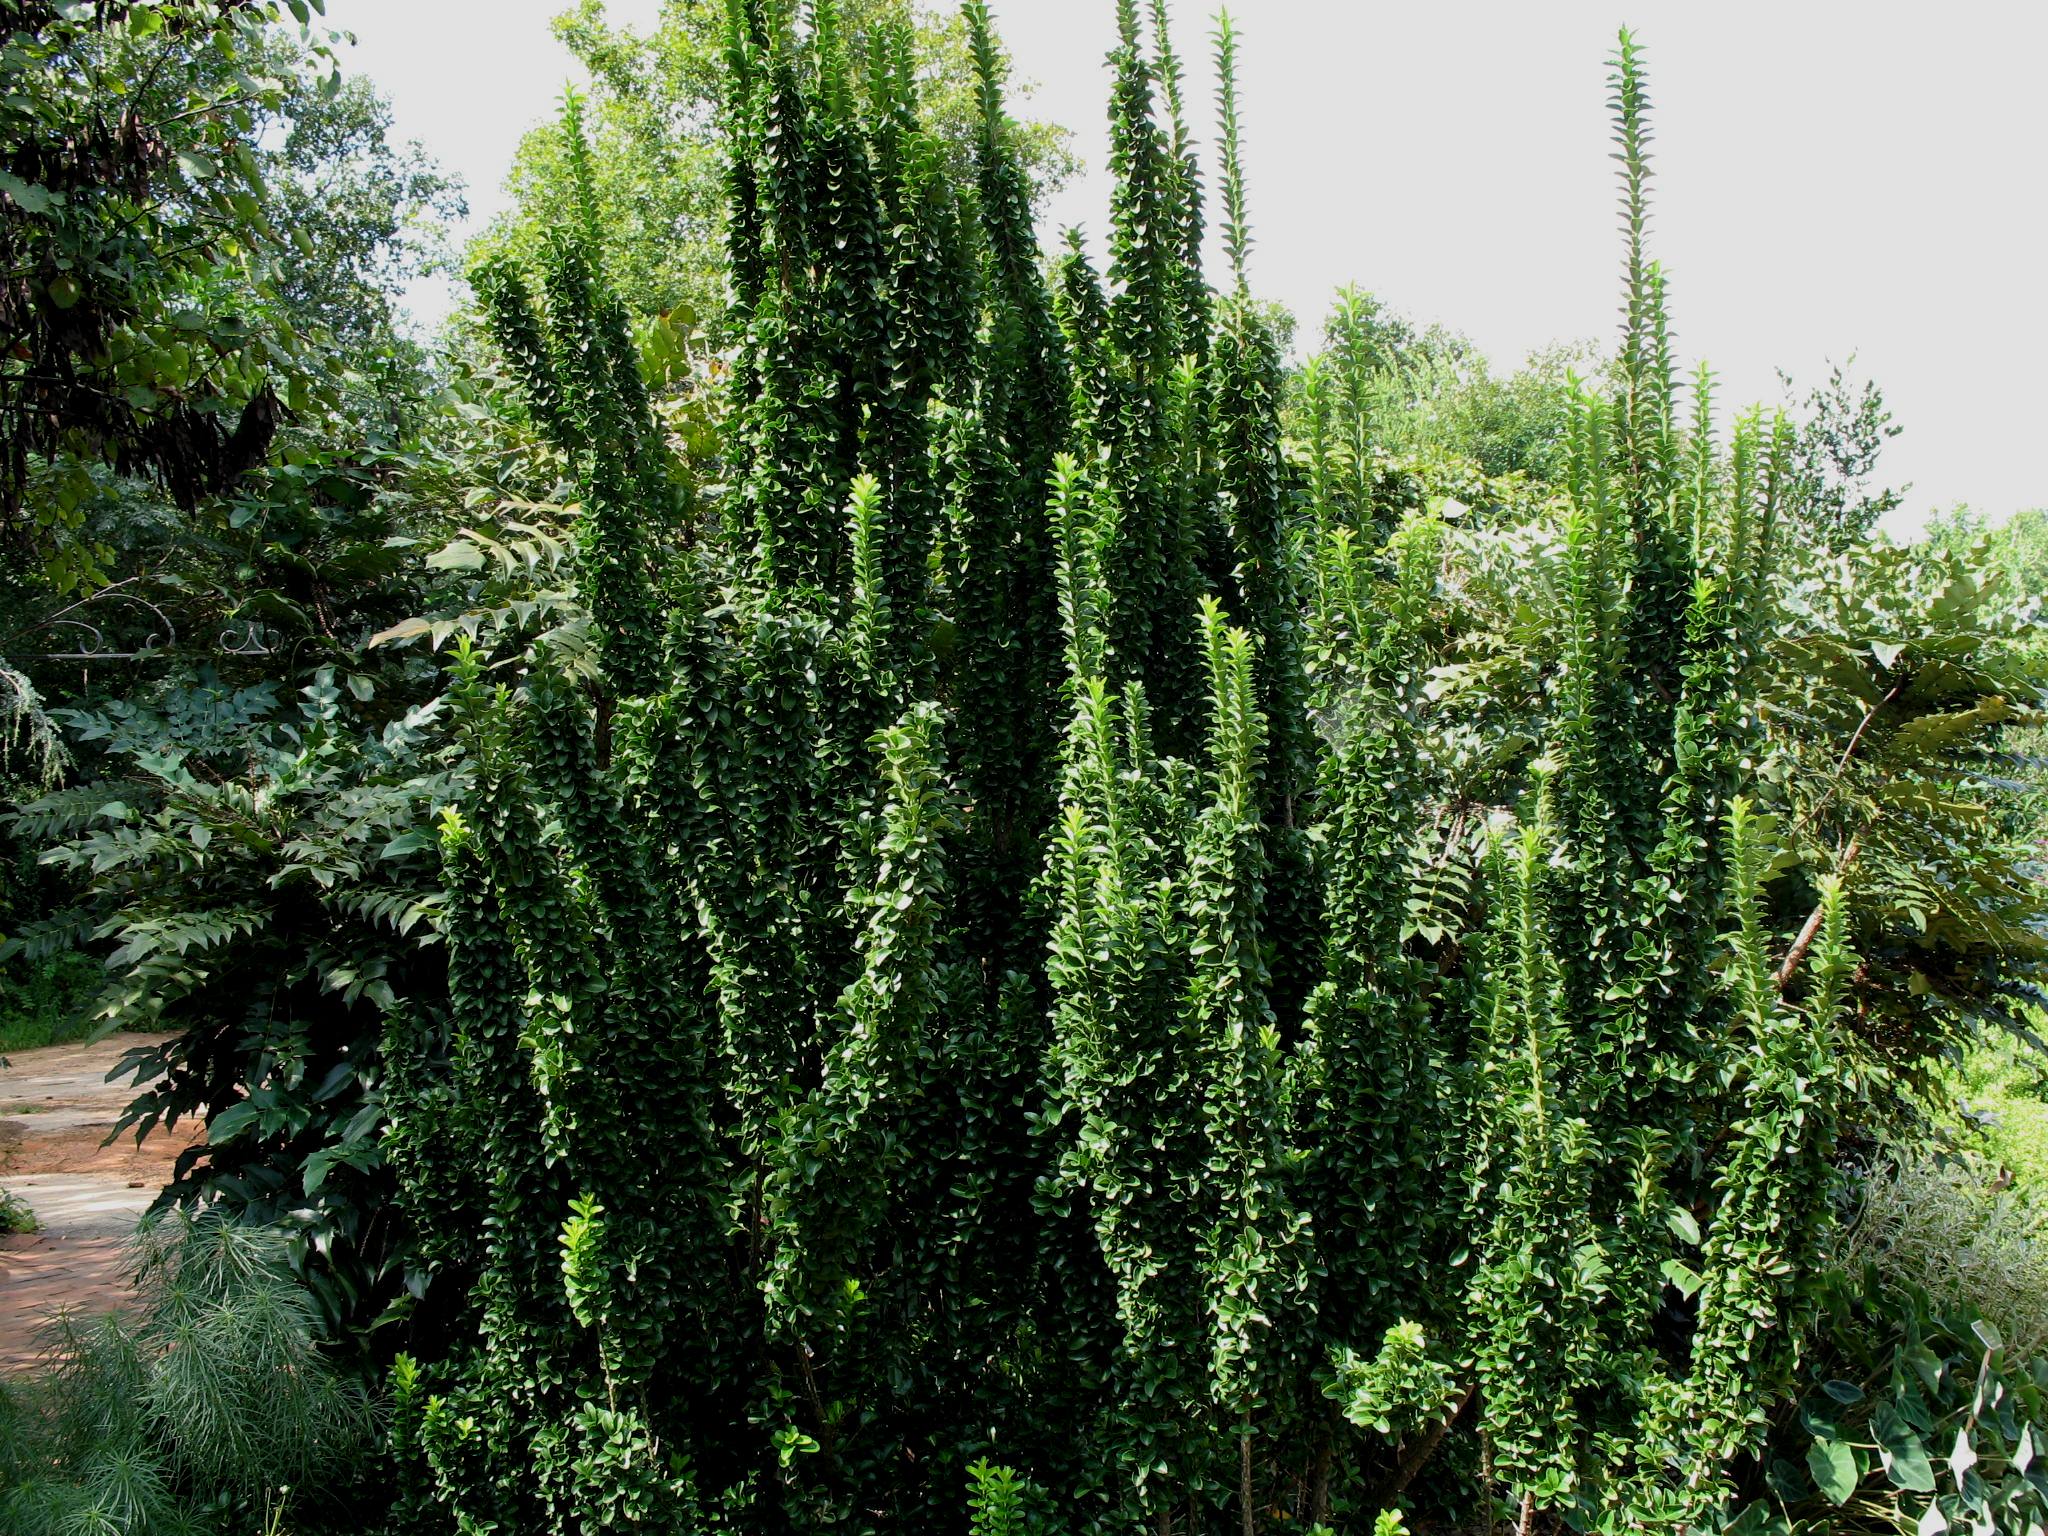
x: 56, y: 1108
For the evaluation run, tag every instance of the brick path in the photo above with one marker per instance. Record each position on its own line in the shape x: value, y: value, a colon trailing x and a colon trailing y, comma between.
x: 41, y: 1274
x: 56, y: 1107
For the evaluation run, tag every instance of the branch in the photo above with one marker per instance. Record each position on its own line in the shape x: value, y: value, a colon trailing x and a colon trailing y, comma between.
x: 1848, y: 752
x: 1423, y: 1449
x: 1811, y: 930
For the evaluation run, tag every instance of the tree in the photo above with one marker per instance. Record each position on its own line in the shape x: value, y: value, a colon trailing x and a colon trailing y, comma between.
x: 655, y: 163
x: 1840, y: 442
x: 132, y: 230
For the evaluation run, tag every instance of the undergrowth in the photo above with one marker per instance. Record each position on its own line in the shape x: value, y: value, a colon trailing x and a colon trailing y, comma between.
x: 2003, y: 1091
x: 43, y: 1002
x: 202, y: 1409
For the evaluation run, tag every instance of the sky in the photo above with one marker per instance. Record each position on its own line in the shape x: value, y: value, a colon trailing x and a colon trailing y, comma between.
x: 1833, y: 177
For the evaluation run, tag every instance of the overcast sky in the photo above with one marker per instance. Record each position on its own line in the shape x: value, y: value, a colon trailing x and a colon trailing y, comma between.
x: 1832, y: 178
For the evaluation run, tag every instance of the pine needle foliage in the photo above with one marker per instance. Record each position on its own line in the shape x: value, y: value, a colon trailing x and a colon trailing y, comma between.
x: 193, y: 1412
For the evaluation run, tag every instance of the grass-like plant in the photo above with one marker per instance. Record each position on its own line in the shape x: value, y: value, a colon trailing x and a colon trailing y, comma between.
x: 1963, y: 1233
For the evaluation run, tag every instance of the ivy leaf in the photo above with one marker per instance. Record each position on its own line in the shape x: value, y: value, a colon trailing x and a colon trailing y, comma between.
x: 1833, y: 1468
x: 1844, y: 1392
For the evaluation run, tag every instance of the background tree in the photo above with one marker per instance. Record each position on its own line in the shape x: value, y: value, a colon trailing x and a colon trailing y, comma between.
x: 1840, y: 441
x: 655, y: 161
x: 209, y: 662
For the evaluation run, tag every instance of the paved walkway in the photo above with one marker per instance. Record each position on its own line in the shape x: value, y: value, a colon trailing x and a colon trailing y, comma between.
x: 56, y: 1109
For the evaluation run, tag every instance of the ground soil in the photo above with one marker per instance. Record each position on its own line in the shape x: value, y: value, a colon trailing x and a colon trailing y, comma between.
x: 56, y: 1111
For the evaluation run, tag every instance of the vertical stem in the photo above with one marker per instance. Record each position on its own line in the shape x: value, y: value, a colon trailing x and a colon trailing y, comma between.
x: 1319, y: 1500
x: 1244, y: 1474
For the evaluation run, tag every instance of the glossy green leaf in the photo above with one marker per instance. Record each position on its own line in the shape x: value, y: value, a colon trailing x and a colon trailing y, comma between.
x: 1832, y: 1465
x: 1904, y: 1454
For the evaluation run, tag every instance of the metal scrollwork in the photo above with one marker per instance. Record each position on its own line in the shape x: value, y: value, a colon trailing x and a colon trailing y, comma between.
x: 92, y: 641
x: 251, y: 640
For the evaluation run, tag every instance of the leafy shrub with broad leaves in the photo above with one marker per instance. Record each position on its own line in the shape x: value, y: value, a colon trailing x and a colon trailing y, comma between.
x: 1900, y: 680
x: 1917, y: 1418
x: 263, y: 873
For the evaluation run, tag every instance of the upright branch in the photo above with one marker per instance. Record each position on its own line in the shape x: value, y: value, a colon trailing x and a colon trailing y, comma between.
x: 1236, y: 230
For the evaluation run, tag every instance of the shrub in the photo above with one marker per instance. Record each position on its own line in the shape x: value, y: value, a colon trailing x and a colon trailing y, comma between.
x: 856, y: 1077
x: 196, y: 1410
x: 15, y: 1213
x: 265, y: 875
x: 45, y: 1001
x: 1950, y: 1227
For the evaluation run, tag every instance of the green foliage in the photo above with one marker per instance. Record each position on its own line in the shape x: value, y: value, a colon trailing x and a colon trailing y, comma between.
x: 1307, y: 1099
x: 160, y: 636
x: 1000, y: 1503
x: 1963, y: 1234
x: 2002, y: 1093
x: 191, y: 1415
x: 1917, y: 1417
x: 1398, y: 1391
x: 262, y: 876
x: 1840, y: 441
x: 1428, y: 400
x: 1901, y: 678
x: 653, y: 161
x: 31, y: 745
x: 44, y: 1001
x: 1020, y: 905
x: 16, y: 1215
x: 2017, y: 547
x: 134, y: 218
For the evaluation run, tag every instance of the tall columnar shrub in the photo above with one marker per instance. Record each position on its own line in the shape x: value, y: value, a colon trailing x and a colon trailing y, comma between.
x: 940, y: 1025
